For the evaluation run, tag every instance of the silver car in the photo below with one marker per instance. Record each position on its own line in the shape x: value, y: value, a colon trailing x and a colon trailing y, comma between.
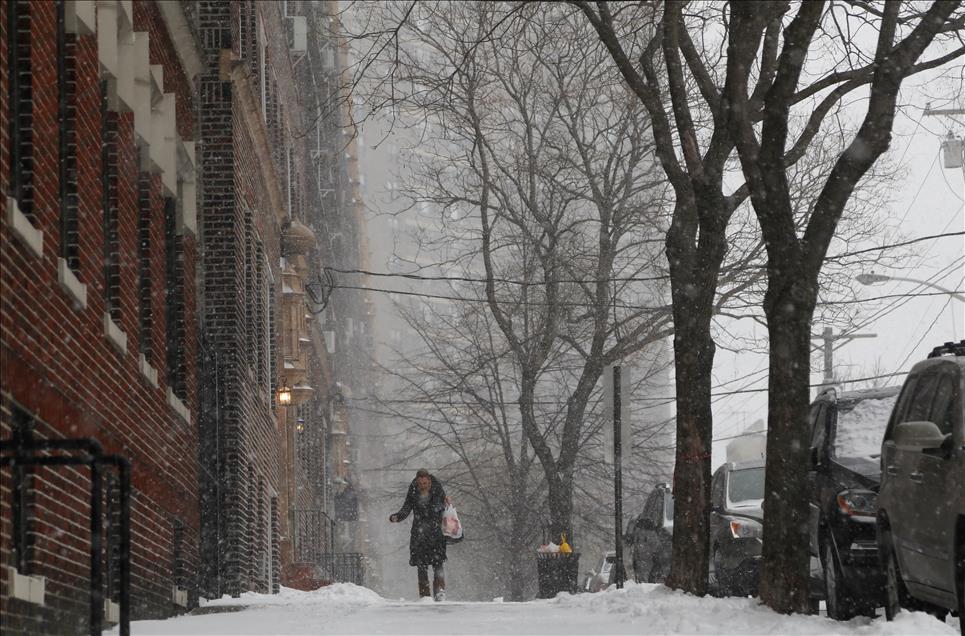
x: 921, y: 504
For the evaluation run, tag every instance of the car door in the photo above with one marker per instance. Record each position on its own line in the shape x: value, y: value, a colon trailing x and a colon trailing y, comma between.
x: 902, y: 465
x: 934, y: 533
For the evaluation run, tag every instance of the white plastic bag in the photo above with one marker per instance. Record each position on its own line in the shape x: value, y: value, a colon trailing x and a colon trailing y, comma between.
x: 451, y: 527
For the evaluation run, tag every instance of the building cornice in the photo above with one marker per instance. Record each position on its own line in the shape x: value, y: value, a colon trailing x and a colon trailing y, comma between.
x: 181, y: 36
x: 237, y: 72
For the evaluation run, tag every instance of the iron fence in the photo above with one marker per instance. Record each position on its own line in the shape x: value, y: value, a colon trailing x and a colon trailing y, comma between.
x: 344, y: 567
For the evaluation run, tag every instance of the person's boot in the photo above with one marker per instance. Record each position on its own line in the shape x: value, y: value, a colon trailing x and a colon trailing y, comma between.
x: 424, y: 589
x: 440, y: 590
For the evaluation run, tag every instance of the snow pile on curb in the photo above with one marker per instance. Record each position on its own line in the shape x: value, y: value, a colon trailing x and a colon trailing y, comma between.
x: 666, y: 611
x: 341, y: 595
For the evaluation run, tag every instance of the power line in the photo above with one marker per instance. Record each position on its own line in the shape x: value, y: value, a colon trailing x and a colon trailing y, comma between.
x: 617, y: 305
x: 627, y: 279
x: 668, y: 398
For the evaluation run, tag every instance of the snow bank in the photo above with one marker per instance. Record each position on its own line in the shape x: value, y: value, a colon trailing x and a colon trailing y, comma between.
x: 661, y: 610
x: 346, y: 610
x: 342, y: 595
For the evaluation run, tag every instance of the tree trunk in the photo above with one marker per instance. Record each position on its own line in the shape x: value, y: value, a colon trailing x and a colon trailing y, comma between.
x: 784, y: 573
x: 560, y: 501
x: 520, y: 560
x: 694, y: 351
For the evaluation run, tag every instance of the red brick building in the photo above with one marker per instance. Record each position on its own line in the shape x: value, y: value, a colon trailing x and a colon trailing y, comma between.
x: 98, y: 303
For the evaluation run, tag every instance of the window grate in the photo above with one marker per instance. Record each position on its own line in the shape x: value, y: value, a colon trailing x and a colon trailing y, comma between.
x: 112, y: 256
x: 145, y: 315
x: 67, y: 166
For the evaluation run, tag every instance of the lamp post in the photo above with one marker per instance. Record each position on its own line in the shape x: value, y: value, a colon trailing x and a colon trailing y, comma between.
x: 872, y: 278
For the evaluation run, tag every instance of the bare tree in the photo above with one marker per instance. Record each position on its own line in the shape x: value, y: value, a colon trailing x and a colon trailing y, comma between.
x: 772, y: 76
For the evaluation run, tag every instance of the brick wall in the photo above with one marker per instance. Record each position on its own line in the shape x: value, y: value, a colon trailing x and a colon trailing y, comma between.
x: 237, y: 218
x: 56, y: 362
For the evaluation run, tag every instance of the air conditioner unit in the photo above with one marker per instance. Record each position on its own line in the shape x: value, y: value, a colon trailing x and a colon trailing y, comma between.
x: 297, y: 33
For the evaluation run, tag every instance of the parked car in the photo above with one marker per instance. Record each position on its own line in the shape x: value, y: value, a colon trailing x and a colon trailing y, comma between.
x: 736, y: 518
x: 649, y: 537
x: 921, y: 504
x: 844, y: 475
x: 603, y: 576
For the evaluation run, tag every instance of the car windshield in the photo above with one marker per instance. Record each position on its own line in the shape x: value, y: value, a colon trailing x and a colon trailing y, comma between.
x: 745, y: 487
x: 861, y: 426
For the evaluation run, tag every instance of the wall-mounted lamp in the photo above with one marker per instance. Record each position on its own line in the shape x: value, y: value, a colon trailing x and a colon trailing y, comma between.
x: 300, y: 424
x: 284, y: 394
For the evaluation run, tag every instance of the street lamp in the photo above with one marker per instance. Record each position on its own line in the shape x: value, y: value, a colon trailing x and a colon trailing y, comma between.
x: 872, y: 278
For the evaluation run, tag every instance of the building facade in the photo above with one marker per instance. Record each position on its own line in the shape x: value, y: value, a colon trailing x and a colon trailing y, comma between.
x: 175, y: 181
x: 98, y: 348
x: 270, y: 119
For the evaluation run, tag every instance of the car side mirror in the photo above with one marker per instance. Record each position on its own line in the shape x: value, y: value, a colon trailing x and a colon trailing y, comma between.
x: 944, y: 449
x: 920, y: 436
x: 815, y: 458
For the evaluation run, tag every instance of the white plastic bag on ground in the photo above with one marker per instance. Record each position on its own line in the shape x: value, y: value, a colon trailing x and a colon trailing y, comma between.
x: 451, y: 527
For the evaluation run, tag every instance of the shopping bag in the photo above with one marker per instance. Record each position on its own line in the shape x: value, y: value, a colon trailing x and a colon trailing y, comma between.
x: 451, y: 527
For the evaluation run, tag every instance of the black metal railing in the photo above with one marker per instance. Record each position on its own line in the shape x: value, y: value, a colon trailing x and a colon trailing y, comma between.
x: 344, y: 567
x: 314, y: 536
x: 23, y: 451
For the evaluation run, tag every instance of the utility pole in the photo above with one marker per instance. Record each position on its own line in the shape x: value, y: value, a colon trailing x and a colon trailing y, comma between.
x: 827, y: 346
x: 618, y: 472
x: 616, y: 391
x: 953, y: 148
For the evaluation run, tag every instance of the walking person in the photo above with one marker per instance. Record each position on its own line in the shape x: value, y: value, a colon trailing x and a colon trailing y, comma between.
x: 426, y: 500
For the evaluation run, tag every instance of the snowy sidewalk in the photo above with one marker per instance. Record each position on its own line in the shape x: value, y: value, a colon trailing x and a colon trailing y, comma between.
x: 638, y: 609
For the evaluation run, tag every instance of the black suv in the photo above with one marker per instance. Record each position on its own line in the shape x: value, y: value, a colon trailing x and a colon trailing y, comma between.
x: 649, y: 537
x: 736, y: 525
x: 921, y: 506
x: 844, y: 475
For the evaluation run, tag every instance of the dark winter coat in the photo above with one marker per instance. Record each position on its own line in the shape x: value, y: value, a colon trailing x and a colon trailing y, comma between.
x: 427, y: 545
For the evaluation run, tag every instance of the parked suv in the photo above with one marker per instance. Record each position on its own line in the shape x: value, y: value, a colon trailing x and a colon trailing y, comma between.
x: 649, y: 537
x: 844, y: 475
x: 736, y: 518
x: 921, y: 505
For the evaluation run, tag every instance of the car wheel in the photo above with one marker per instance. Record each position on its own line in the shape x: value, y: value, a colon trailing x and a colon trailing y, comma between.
x: 961, y: 593
x: 893, y: 583
x: 841, y: 606
x: 656, y: 573
x: 715, y: 579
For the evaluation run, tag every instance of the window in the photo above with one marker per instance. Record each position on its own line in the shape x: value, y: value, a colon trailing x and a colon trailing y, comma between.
x: 21, y: 106
x: 745, y: 485
x: 174, y: 301
x: 263, y: 71
x: 261, y: 315
x: 717, y: 490
x: 23, y: 494
x: 289, y: 165
x: 919, y: 406
x: 272, y: 345
x: 67, y: 114
x: 942, y: 411
x: 112, y: 258
x: 817, y: 423
x: 145, y: 316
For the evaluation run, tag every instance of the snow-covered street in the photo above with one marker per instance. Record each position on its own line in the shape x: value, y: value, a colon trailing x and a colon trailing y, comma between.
x: 637, y: 609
